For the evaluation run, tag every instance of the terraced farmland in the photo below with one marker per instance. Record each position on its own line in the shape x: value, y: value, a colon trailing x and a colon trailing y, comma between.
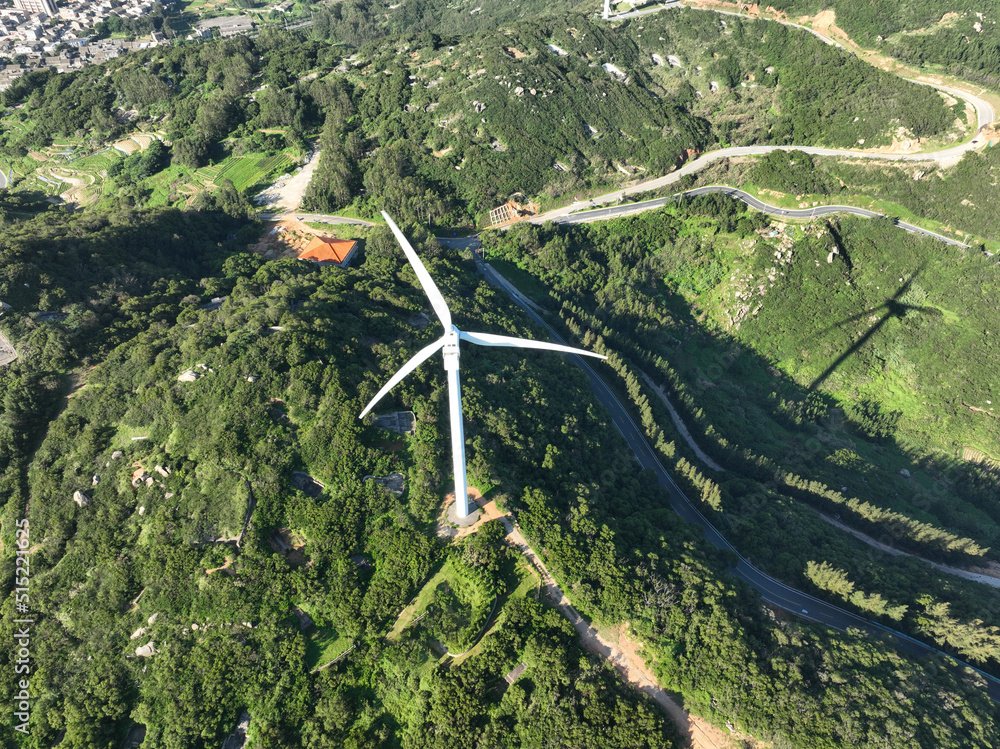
x: 247, y: 171
x: 73, y: 169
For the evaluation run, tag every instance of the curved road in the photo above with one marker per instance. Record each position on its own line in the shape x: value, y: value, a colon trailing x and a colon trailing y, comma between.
x: 984, y: 111
x: 601, y: 214
x: 771, y: 590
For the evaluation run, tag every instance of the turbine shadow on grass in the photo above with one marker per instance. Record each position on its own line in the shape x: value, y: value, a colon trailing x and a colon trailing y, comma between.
x: 893, y: 307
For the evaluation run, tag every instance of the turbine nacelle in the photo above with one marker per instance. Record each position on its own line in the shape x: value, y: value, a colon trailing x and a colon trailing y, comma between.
x: 449, y: 345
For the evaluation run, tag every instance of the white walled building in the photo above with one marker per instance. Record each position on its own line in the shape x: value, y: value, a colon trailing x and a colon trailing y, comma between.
x: 37, y: 6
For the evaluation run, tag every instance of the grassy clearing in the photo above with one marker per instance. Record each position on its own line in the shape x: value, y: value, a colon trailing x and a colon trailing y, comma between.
x: 522, y: 581
x: 458, y: 605
x: 339, y: 231
x: 351, y: 212
x: 125, y: 434
x: 419, y: 604
x: 168, y: 185
x: 323, y: 644
x: 524, y: 281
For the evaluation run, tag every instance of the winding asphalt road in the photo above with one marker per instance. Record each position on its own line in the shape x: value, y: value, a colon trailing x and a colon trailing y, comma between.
x: 603, y: 214
x: 771, y: 590
x: 984, y: 112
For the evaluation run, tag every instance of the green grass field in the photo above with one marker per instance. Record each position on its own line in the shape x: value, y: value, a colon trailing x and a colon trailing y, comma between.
x: 448, y: 577
x: 250, y: 170
x: 323, y: 644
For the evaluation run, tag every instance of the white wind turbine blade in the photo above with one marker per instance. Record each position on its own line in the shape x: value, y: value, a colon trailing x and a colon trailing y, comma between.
x: 491, y: 339
x: 419, y: 358
x: 430, y: 288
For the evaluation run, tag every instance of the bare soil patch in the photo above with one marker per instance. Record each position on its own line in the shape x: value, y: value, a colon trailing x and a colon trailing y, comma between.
x: 285, y: 238
x: 289, y: 195
x: 825, y: 22
x: 224, y: 568
x: 749, y: 10
x: 489, y: 512
x: 127, y: 145
x: 990, y: 570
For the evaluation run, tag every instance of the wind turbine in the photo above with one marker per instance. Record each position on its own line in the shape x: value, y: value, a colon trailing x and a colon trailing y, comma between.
x: 449, y: 344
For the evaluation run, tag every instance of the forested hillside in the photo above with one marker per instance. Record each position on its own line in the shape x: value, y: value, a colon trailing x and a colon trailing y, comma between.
x: 961, y: 36
x: 759, y: 339
x: 126, y: 566
x: 283, y: 367
x: 216, y: 537
x: 761, y: 82
x: 443, y: 129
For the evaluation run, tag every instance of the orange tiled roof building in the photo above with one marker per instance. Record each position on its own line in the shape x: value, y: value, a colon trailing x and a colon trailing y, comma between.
x: 327, y: 251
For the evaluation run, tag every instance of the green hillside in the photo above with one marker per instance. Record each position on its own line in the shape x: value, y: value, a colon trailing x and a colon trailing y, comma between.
x: 761, y: 342
x: 288, y: 360
x: 959, y: 36
x: 215, y: 533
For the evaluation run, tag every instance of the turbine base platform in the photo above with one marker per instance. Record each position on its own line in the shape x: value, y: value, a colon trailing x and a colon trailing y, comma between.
x: 454, y: 519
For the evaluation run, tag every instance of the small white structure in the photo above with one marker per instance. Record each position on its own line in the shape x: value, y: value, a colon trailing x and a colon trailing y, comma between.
x: 614, y: 70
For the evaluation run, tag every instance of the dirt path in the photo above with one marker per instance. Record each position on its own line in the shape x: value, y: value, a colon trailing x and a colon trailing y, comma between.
x: 990, y: 580
x: 700, y: 733
x: 223, y: 568
x: 681, y: 426
x: 289, y: 195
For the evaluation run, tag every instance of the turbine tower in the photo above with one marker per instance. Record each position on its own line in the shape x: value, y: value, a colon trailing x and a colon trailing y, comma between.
x: 449, y: 344
x: 607, y: 9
